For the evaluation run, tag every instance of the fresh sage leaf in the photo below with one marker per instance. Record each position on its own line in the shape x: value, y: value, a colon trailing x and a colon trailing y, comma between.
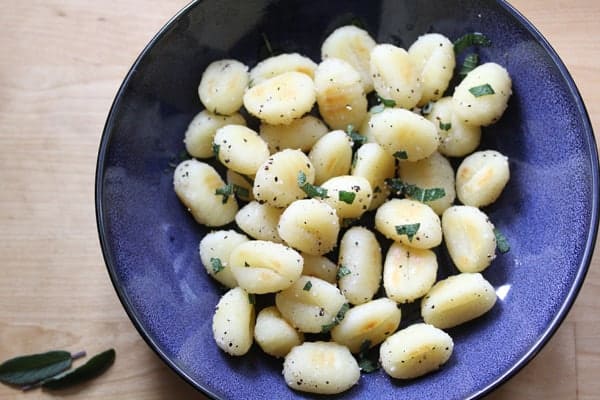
x: 468, y: 65
x: 29, y: 369
x: 401, y: 155
x: 342, y: 271
x: 307, y: 286
x: 482, y: 90
x: 410, y: 230
x: 216, y: 264
x: 445, y: 126
x: 91, y: 369
x: 471, y: 39
x: 338, y: 318
x: 501, y: 241
x: 346, y: 197
x: 311, y: 191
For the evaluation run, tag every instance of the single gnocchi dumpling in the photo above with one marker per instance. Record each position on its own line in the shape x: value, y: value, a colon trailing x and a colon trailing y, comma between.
x: 222, y: 86
x: 310, y: 226
x: 469, y: 237
x: 277, y: 65
x: 457, y: 139
x: 376, y: 165
x: 457, y: 299
x: 196, y: 184
x: 240, y: 149
x: 360, y: 265
x: 233, y: 322
x: 367, y: 325
x: 331, y: 156
x: 433, y: 55
x: 301, y: 134
x: 320, y: 367
x: 265, y: 267
x: 482, y: 97
x: 259, y: 221
x: 433, y: 172
x: 274, y: 334
x: 404, y: 134
x: 276, y: 181
x: 349, y: 195
x: 415, y: 351
x: 281, y: 99
x: 215, y: 248
x: 311, y: 304
x: 481, y: 178
x: 201, y: 132
x: 409, y: 222
x: 321, y: 267
x: 353, y: 45
x: 340, y: 95
x: 408, y: 273
x: 395, y: 75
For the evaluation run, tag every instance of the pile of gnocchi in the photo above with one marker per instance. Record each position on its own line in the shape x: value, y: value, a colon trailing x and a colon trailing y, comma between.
x: 320, y: 162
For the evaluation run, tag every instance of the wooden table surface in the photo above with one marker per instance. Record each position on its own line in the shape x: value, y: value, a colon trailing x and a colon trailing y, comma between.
x: 62, y: 62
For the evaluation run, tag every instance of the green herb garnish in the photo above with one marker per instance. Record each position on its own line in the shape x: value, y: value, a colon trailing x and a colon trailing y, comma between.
x: 307, y: 286
x: 501, y: 241
x: 469, y: 64
x: 30, y: 369
x: 410, y: 230
x: 482, y: 90
x: 346, y: 197
x: 366, y: 365
x: 311, y: 190
x: 445, y: 126
x: 230, y: 189
x: 356, y: 137
x: 251, y: 298
x: 215, y: 149
x: 91, y: 369
x: 383, y: 103
x: 342, y: 272
x: 414, y: 192
x: 216, y: 264
x: 471, y: 39
x: 401, y: 155
x: 338, y: 318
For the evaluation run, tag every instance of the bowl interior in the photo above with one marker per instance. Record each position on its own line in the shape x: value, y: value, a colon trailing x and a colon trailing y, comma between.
x: 549, y: 211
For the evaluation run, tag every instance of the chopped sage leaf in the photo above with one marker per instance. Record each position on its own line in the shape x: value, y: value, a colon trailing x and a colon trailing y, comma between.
x: 469, y: 64
x: 445, y: 126
x: 241, y: 192
x: 356, y: 137
x: 216, y: 264
x: 387, y: 102
x: 501, y: 241
x: 307, y: 286
x: 267, y: 43
x: 338, y: 318
x: 251, y: 298
x: 471, y: 39
x: 367, y: 366
x: 364, y: 346
x: 342, y: 272
x: 410, y: 230
x: 401, y: 155
x: 225, y: 191
x: 346, y: 197
x: 482, y: 90
x: 311, y: 190
x: 382, y: 104
x: 414, y: 192
x: 91, y: 369
x: 215, y: 149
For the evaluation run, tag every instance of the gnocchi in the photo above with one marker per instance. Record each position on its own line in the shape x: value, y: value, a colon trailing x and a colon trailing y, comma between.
x: 320, y: 367
x: 481, y: 177
x: 214, y: 250
x: 310, y: 304
x: 281, y: 99
x: 222, y: 86
x: 314, y: 178
x: 457, y: 299
x: 359, y: 265
x: 201, y: 132
x: 415, y: 351
x: 265, y: 267
x: 469, y: 237
x: 340, y: 94
x: 310, y: 226
x: 233, y: 322
x: 196, y: 184
x: 274, y: 334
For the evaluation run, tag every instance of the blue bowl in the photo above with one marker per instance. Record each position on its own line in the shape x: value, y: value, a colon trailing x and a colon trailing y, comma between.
x: 549, y: 211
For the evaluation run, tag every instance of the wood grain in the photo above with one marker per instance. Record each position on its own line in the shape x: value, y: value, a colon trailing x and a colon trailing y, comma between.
x: 62, y: 63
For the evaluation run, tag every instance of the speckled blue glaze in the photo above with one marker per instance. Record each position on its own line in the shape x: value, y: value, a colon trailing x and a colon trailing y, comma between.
x: 549, y: 211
